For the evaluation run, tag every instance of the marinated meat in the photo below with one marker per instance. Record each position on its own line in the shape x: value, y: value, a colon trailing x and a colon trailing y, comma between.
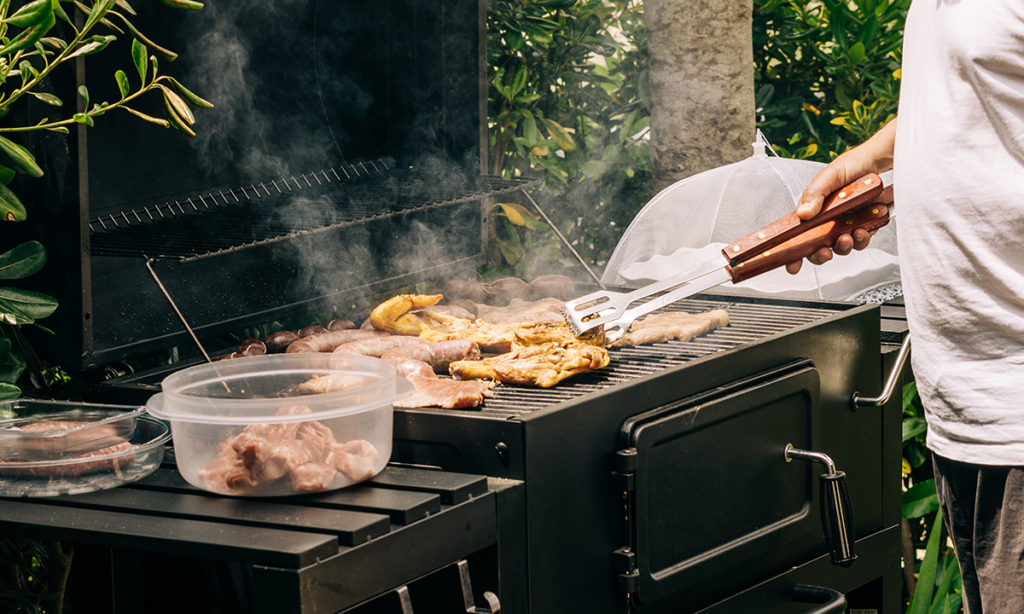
x: 327, y: 341
x: 319, y: 384
x: 445, y: 393
x: 672, y: 325
x: 313, y: 477
x: 306, y: 452
x: 543, y: 365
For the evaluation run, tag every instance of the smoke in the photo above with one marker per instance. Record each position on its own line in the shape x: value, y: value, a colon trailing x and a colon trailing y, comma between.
x: 311, y: 86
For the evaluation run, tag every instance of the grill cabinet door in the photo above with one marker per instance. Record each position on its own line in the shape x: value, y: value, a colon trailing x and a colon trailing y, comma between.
x: 712, y: 504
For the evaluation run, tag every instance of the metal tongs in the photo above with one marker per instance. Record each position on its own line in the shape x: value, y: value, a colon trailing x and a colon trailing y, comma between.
x: 785, y: 240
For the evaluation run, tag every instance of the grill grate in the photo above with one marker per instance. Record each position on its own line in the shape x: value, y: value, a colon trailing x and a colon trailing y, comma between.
x: 218, y: 221
x: 748, y: 322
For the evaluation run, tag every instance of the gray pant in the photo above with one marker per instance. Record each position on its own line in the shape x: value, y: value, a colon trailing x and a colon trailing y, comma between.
x: 983, y: 510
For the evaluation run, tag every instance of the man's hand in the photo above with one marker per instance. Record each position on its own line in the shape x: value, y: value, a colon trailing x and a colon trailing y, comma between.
x: 874, y: 155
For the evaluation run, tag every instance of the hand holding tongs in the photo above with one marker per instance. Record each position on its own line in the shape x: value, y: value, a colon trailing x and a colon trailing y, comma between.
x: 785, y: 240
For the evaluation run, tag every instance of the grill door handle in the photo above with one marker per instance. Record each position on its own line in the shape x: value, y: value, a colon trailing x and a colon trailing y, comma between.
x: 858, y: 400
x: 836, y: 509
x: 831, y: 600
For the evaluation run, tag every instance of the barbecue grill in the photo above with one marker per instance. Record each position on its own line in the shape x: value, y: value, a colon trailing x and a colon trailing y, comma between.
x: 661, y: 483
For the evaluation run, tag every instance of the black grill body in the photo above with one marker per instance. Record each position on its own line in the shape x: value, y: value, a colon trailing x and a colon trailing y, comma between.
x: 661, y: 481
x: 658, y: 484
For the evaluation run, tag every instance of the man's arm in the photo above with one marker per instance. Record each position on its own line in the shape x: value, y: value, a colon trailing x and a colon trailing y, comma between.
x: 872, y: 156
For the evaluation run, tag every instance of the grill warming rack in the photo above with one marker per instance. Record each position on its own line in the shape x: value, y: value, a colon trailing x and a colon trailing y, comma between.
x: 223, y: 220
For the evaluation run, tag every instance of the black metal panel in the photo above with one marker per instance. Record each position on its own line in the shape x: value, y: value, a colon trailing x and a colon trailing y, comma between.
x: 712, y: 492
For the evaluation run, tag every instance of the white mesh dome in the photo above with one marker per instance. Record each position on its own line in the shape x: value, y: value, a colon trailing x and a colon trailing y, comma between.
x: 684, y: 227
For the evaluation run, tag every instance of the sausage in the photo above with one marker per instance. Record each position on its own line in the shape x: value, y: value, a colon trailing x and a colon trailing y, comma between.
x: 552, y: 286
x: 501, y: 291
x: 437, y: 354
x: 279, y: 341
x: 314, y: 329
x: 376, y: 346
x: 340, y: 324
x: 465, y: 289
x: 327, y: 341
x: 252, y: 347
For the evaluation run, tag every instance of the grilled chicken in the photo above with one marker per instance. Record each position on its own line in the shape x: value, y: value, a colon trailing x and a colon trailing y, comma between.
x: 543, y: 364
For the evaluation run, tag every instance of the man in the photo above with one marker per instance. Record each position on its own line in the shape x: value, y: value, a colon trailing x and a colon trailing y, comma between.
x: 957, y: 154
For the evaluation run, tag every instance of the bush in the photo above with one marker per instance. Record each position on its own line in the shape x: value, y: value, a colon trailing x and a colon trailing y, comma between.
x: 826, y: 73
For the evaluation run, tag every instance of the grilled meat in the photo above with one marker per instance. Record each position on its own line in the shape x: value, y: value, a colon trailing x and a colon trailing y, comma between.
x: 672, y: 325
x: 327, y: 341
x: 543, y: 364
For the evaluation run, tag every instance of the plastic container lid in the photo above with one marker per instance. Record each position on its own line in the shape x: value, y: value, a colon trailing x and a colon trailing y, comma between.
x: 250, y: 390
x: 46, y: 430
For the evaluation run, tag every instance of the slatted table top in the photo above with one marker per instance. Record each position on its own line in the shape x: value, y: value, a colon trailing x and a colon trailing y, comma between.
x: 283, y: 538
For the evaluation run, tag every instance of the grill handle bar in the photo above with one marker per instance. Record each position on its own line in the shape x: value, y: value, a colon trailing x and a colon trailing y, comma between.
x: 837, y: 511
x: 859, y: 401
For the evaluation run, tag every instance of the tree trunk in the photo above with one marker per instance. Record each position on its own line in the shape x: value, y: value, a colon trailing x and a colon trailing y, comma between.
x: 702, y: 85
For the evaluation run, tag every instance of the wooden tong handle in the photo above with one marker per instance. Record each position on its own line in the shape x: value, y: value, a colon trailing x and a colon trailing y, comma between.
x: 869, y: 218
x: 860, y: 192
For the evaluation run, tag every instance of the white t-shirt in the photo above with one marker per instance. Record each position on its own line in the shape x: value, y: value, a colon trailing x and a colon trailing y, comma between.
x: 959, y: 181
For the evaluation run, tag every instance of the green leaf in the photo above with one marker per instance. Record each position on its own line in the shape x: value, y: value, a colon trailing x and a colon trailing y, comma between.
x: 530, y: 131
x: 9, y: 391
x: 122, y: 83
x: 856, y: 52
x: 11, y: 208
x: 184, y: 4
x: 6, y: 174
x: 11, y: 364
x: 99, y: 11
x: 943, y: 603
x: 175, y: 102
x: 83, y: 93
x: 22, y: 261
x: 49, y: 99
x: 139, y: 54
x: 95, y: 44
x: 922, y: 598
x: 519, y: 78
x: 920, y: 499
x: 190, y: 95
x: 30, y: 14
x: 912, y: 427
x: 19, y: 306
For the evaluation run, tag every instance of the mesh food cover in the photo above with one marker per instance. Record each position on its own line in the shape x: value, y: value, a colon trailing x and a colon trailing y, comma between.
x: 682, y: 230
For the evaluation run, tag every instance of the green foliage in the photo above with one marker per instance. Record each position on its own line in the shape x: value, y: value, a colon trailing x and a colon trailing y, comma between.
x: 827, y: 73
x: 938, y: 573
x: 567, y: 102
x: 35, y: 38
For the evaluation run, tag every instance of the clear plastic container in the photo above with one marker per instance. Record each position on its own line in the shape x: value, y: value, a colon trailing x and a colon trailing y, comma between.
x: 281, y: 424
x: 46, y: 430
x: 126, y: 460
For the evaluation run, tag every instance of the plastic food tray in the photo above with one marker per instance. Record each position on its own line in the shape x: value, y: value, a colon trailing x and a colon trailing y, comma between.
x: 40, y: 430
x: 92, y: 459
